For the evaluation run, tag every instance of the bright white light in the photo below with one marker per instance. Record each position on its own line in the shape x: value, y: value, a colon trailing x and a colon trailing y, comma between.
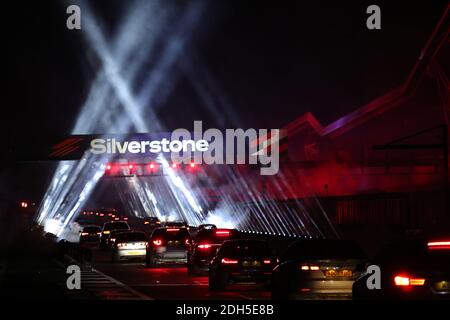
x: 52, y: 226
x: 220, y: 220
x: 172, y: 216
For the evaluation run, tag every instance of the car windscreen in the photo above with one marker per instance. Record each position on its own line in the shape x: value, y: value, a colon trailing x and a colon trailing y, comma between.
x: 131, y: 236
x: 206, y: 226
x: 117, y: 231
x: 91, y: 229
x: 245, y: 249
x: 176, y: 224
x: 116, y: 225
x: 171, y: 234
x: 323, y: 250
x: 216, y: 236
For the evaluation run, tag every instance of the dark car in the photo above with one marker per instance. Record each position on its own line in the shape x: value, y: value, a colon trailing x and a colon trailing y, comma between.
x: 118, y: 217
x: 175, y: 224
x: 204, y: 247
x: 90, y: 234
x: 152, y: 222
x: 113, y: 235
x: 318, y: 268
x: 110, y: 226
x: 206, y: 226
x: 239, y: 261
x: 410, y: 269
x: 129, y: 245
x: 168, y: 245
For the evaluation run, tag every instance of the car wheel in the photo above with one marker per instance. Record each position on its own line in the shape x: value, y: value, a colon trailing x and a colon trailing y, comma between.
x: 278, y: 289
x: 217, y: 282
x: 193, y: 270
x: 114, y: 257
x: 267, y: 285
x: 189, y: 270
x: 279, y: 294
x: 150, y: 261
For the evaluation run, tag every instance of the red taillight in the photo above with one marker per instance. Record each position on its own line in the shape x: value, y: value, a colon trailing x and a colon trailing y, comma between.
x: 186, y: 241
x: 436, y: 245
x: 146, y: 222
x: 229, y: 261
x: 108, y: 167
x: 204, y: 246
x: 222, y: 233
x: 404, y: 281
x: 157, y: 242
x: 267, y: 261
x: 192, y: 165
x: 172, y: 230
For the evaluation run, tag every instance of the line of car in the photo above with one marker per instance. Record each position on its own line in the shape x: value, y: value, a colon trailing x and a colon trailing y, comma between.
x: 308, y: 269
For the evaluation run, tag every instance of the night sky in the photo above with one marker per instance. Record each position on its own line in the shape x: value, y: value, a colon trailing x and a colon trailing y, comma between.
x: 272, y: 63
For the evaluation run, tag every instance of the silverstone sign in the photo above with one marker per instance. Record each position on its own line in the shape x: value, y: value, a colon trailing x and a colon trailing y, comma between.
x: 212, y: 146
x: 113, y: 146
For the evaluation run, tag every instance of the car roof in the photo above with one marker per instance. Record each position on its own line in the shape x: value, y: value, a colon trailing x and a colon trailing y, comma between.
x: 127, y: 234
x: 238, y: 241
x: 164, y: 229
x: 122, y: 230
x: 213, y: 231
x: 113, y: 222
x: 91, y: 226
x: 134, y: 231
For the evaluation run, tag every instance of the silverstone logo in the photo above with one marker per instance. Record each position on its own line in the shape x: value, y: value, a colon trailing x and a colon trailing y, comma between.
x: 234, y: 146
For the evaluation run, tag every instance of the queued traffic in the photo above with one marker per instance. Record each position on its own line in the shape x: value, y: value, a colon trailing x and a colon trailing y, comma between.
x: 411, y: 268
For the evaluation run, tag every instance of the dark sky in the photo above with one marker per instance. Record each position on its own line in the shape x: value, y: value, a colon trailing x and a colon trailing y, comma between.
x: 272, y: 62
x: 276, y: 60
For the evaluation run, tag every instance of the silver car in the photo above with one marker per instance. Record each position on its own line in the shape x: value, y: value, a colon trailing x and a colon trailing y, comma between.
x: 168, y: 245
x: 129, y: 245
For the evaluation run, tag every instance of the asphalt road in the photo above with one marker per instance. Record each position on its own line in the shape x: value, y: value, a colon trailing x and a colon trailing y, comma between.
x: 171, y: 282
